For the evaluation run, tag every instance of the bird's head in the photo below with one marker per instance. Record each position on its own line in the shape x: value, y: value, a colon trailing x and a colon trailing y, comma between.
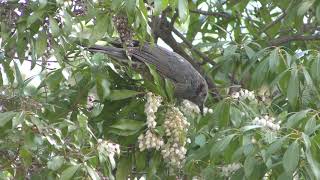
x: 200, y: 95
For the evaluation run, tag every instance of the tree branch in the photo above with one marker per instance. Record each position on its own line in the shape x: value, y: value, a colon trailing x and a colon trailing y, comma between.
x: 289, y: 38
x: 189, y: 44
x: 207, y: 13
x: 268, y: 26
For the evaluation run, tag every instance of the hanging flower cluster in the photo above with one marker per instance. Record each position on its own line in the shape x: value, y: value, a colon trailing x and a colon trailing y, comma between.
x: 175, y: 123
x: 151, y: 107
x: 176, y: 127
x: 150, y: 139
x: 268, y: 122
x: 174, y: 154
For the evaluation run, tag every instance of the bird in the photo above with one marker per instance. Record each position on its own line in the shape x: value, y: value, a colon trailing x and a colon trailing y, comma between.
x: 188, y: 82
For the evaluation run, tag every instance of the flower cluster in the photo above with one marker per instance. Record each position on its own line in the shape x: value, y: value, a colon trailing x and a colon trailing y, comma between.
x: 243, y: 94
x: 175, y: 124
x: 230, y: 168
x: 176, y: 127
x: 108, y: 149
x: 174, y: 154
x: 268, y: 122
x: 122, y: 26
x: 150, y: 140
x: 151, y: 107
x: 189, y: 107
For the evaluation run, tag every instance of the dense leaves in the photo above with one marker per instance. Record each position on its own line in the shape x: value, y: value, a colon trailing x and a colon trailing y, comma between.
x: 60, y: 105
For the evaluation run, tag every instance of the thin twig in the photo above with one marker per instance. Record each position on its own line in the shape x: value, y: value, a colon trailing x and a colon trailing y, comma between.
x: 289, y: 38
x: 207, y: 13
x: 268, y: 26
x: 189, y: 44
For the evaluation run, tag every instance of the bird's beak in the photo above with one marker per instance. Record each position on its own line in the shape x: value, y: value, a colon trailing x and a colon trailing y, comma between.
x: 201, y: 109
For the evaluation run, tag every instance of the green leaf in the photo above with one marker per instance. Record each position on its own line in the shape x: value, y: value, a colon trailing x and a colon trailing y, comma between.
x: 102, y: 87
x: 304, y: 7
x: 1, y: 79
x: 291, y: 157
x: 128, y: 124
x: 308, y: 78
x: 140, y: 160
x: 55, y: 163
x: 26, y: 157
x: 200, y: 140
x: 293, y: 89
x: 5, y: 117
x: 116, y: 4
x: 310, y: 126
x: 154, y: 165
x: 296, y: 118
x: 99, y: 29
x: 222, y: 113
x: 274, y: 60
x: 123, y: 168
x: 9, y: 72
x: 18, y: 76
x: 318, y: 13
x: 250, y: 127
x: 53, y: 80
x: 249, y: 165
x: 315, y: 69
x: 314, y: 164
x: 21, y: 46
x: 131, y: 6
x: 67, y: 23
x: 18, y: 119
x: 260, y: 74
x: 183, y: 10
x: 221, y: 145
x: 41, y: 46
x: 54, y: 27
x: 69, y: 172
x: 157, y: 80
x: 122, y: 94
x: 250, y: 52
x: 169, y: 89
x: 93, y: 174
x: 42, y: 3
x: 157, y: 7
x: 275, y: 146
x: 34, y: 17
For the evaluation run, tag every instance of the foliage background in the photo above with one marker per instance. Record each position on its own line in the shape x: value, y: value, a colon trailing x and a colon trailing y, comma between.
x: 49, y: 129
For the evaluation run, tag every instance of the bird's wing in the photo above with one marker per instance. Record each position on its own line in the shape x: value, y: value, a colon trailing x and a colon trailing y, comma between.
x: 169, y: 64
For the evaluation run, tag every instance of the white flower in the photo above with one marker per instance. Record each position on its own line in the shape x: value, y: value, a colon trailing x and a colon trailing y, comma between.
x: 267, y: 122
x: 149, y: 140
x: 243, y: 94
x: 235, y: 95
x: 189, y: 107
x: 207, y: 110
x: 109, y: 149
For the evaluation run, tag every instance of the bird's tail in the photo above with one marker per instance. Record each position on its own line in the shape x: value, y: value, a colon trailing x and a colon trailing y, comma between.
x: 114, y: 52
